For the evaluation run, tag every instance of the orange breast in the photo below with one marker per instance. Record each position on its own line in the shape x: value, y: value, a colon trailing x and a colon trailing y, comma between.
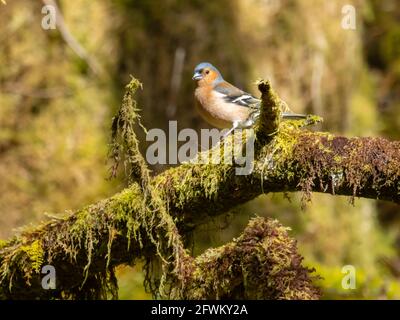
x: 217, y: 112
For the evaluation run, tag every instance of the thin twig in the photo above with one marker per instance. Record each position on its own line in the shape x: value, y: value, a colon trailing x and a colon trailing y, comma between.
x: 71, y: 41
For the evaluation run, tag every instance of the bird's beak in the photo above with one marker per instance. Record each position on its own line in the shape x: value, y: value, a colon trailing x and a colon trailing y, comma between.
x: 197, y: 76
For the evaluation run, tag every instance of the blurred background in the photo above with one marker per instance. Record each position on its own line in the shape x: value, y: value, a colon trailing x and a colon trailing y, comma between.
x: 59, y: 89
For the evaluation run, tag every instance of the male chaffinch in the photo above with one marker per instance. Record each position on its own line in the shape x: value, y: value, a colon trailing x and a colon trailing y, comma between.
x: 223, y: 105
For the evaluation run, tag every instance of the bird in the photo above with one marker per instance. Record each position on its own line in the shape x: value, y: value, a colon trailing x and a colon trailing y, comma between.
x: 225, y: 106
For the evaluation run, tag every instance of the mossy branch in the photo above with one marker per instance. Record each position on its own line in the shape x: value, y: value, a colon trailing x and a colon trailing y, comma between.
x: 270, y: 111
x: 146, y: 220
x: 262, y: 263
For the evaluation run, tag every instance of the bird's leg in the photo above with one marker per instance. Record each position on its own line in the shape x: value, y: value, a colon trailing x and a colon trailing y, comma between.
x: 235, y: 125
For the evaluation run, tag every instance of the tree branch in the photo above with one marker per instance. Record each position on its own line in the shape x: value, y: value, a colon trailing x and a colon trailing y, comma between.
x: 146, y: 220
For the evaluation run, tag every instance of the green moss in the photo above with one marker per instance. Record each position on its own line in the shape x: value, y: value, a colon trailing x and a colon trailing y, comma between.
x: 35, y: 254
x: 124, y: 147
x: 337, y: 158
x: 3, y: 243
x: 262, y: 263
x: 278, y: 139
x: 270, y: 112
x: 285, y: 140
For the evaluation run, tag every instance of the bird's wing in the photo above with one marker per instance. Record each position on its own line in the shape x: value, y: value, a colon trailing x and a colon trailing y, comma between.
x: 234, y: 95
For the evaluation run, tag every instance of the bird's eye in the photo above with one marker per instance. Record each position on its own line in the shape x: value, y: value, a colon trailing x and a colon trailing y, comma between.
x: 207, y: 71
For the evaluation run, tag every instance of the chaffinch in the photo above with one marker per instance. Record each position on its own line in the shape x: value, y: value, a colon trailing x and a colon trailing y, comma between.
x: 223, y: 105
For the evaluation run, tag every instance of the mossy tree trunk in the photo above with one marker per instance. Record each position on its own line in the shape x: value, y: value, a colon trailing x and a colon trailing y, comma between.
x: 148, y: 220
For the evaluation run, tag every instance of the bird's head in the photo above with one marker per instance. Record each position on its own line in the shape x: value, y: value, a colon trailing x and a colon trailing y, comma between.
x: 205, y: 74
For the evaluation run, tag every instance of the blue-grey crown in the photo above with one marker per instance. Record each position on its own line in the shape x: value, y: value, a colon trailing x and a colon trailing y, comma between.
x: 203, y: 65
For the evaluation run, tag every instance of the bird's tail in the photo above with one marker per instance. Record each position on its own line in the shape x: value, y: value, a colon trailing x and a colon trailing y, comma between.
x: 306, y: 120
x: 293, y: 116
